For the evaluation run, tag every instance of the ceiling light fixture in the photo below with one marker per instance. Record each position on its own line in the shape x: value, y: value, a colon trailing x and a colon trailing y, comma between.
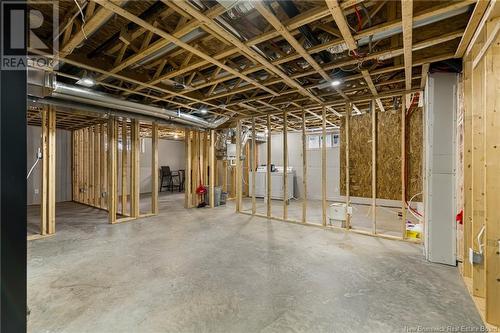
x: 335, y: 83
x: 204, y: 110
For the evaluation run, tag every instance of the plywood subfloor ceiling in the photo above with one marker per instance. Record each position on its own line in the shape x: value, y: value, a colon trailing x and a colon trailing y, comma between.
x: 258, y: 57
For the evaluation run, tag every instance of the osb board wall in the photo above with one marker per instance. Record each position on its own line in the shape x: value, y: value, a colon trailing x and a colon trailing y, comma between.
x: 388, y: 155
x: 360, y: 158
x: 415, y: 154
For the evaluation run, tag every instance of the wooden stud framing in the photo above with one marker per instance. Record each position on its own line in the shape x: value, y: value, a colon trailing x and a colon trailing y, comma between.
x: 74, y: 157
x: 112, y: 169
x: 97, y: 165
x: 478, y: 171
x: 407, y: 18
x: 104, y: 179
x: 212, y: 168
x: 268, y: 168
x: 81, y: 166
x: 467, y: 176
x: 187, y: 189
x: 374, y: 167
x: 323, y: 170
x: 86, y: 164
x: 91, y: 166
x: 285, y: 165
x: 403, y: 166
x: 238, y: 167
x: 195, y: 167
x: 254, y: 166
x: 48, y: 201
x: 154, y: 168
x: 124, y: 167
x: 492, y: 177
x: 304, y: 167
x: 135, y: 167
x: 347, y: 179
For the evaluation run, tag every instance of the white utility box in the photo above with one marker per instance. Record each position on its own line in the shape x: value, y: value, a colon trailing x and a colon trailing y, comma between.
x: 337, y: 214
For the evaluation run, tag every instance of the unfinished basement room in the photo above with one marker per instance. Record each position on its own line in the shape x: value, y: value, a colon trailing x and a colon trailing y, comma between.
x: 250, y: 166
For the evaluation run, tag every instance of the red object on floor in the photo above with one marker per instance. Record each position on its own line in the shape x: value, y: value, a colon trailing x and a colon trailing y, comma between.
x: 460, y: 217
x: 201, y: 189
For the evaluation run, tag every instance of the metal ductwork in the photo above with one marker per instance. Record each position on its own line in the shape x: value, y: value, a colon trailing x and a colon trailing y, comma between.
x: 44, y: 86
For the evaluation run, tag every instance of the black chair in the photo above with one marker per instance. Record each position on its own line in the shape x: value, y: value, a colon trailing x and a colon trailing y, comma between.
x: 176, y: 181
x: 166, y: 176
x: 182, y: 179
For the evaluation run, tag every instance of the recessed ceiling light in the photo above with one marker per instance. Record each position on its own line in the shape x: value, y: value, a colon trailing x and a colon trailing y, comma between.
x: 335, y: 83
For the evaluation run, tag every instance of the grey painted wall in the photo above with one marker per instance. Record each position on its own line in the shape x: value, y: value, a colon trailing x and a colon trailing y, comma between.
x: 63, y: 165
x: 170, y: 153
x: 313, y: 165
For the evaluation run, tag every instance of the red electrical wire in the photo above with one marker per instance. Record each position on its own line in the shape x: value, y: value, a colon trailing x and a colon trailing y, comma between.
x: 360, y: 19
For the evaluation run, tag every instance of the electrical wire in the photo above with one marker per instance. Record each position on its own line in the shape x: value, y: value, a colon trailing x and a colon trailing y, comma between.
x: 83, y: 18
x: 38, y: 158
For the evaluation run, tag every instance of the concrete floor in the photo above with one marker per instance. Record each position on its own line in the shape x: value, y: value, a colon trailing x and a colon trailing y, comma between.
x: 388, y: 222
x: 210, y: 270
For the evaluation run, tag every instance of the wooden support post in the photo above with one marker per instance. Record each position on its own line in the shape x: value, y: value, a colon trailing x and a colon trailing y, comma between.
x: 74, y: 157
x: 135, y: 169
x: 91, y: 166
x: 103, y: 190
x: 195, y: 168
x: 403, y: 166
x: 202, y: 161
x: 187, y: 185
x: 323, y: 168
x: 206, y: 159
x: 374, y: 167
x: 492, y: 180
x: 154, y: 168
x: 467, y: 166
x: 347, y: 164
x: 48, y: 202
x: 224, y: 180
x: 478, y: 171
x: 238, y: 167
x: 212, y: 168
x: 254, y: 167
x: 124, y: 167
x: 79, y: 166
x: 86, y: 164
x: 285, y: 165
x: 112, y: 169
x: 268, y: 168
x: 304, y: 167
x: 97, y: 165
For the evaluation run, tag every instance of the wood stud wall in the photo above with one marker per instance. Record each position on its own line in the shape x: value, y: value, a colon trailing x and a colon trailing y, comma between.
x: 345, y: 158
x: 201, y: 167
x: 481, y: 163
x: 94, y: 157
x: 48, y: 203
